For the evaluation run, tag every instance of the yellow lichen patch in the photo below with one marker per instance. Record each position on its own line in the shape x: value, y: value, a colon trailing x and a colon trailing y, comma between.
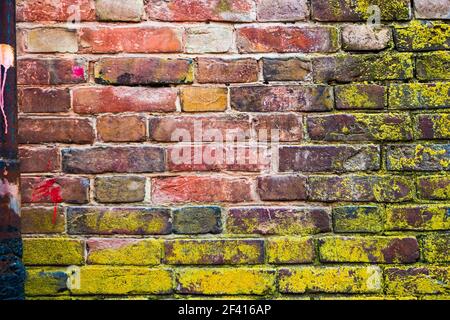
x: 290, y: 250
x: 434, y: 65
x: 419, y: 95
x: 418, y: 217
x: 123, y: 280
x: 53, y: 251
x: 356, y: 97
x: 419, y: 36
x: 40, y: 221
x: 137, y: 253
x: 343, y: 279
x: 406, y: 281
x: 46, y: 282
x: 199, y: 99
x: 386, y: 127
x: 414, y: 157
x: 434, y: 187
x: 436, y: 247
x: 234, y: 281
x: 214, y: 251
x: 358, y: 219
x: 393, y: 189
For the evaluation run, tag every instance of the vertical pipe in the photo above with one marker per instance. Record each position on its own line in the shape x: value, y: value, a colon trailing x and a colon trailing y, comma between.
x: 11, y: 268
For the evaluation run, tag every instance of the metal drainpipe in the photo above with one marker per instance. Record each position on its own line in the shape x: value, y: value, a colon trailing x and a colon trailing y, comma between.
x: 12, y: 272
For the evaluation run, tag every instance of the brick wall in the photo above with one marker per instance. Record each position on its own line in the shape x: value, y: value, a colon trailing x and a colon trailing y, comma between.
x: 357, y: 206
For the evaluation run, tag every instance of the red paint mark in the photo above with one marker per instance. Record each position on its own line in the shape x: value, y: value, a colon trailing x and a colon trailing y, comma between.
x: 78, y: 72
x: 6, y: 61
x: 48, y: 189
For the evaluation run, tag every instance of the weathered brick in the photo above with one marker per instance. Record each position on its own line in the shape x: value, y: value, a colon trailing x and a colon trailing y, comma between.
x: 278, y: 221
x: 359, y: 10
x: 63, y: 130
x: 360, y: 96
x: 282, y: 188
x: 45, y: 71
x: 369, y: 249
x: 120, y: 189
x: 436, y: 9
x: 360, y: 127
x: 281, y: 98
x: 120, y: 252
x: 39, y: 220
x: 143, y: 71
x: 50, y: 40
x: 111, y: 221
x: 329, y: 158
x: 435, y: 247
x: 418, y: 157
x: 288, y: 250
x: 342, y: 279
x: 419, y: 95
x: 366, y: 67
x: 288, y: 69
x: 131, y: 39
x: 53, y: 251
x: 113, y: 159
x: 118, y: 10
x: 39, y: 159
x: 92, y: 100
x: 365, y: 38
x: 217, y: 158
x: 433, y: 126
x: 433, y: 66
x: 133, y: 280
x: 72, y: 189
x: 51, y: 10
x: 289, y: 126
x: 433, y: 187
x: 201, y: 189
x: 282, y: 10
x: 287, y: 39
x: 191, y: 252
x: 359, y: 188
x: 195, y: 129
x: 198, y: 10
x: 219, y: 281
x: 214, y: 70
x: 197, y: 220
x: 358, y: 219
x: 43, y: 100
x: 209, y: 39
x: 46, y: 282
x: 121, y: 128
x: 431, y: 217
x: 422, y: 36
x: 404, y: 281
x: 204, y: 99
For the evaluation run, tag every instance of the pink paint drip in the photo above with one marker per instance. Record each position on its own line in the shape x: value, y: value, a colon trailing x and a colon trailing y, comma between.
x: 78, y: 72
x: 6, y: 61
x: 48, y: 189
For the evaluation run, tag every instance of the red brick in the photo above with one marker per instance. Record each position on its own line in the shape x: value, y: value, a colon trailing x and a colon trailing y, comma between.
x: 289, y: 126
x: 51, y: 10
x: 121, y: 128
x: 43, y: 100
x: 73, y: 190
x: 282, y: 188
x: 433, y: 126
x: 213, y: 70
x: 63, y: 130
x: 46, y: 71
x: 282, y: 10
x: 144, y: 71
x: 200, y: 189
x: 287, y: 39
x: 113, y: 159
x: 131, y: 39
x: 167, y: 129
x: 92, y: 100
x: 217, y: 158
x: 287, y: 69
x: 199, y: 10
x: 39, y: 159
x: 434, y: 187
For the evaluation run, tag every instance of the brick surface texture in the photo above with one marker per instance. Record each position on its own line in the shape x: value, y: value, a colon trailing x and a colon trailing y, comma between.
x: 357, y: 206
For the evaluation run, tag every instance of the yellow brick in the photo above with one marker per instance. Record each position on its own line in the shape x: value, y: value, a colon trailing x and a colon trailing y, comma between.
x: 197, y: 99
x: 290, y: 250
x: 221, y: 281
x: 53, y: 251
x: 123, y: 280
x: 342, y: 279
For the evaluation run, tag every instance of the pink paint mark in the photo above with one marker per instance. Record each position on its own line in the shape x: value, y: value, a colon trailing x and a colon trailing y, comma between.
x: 48, y: 189
x: 6, y: 61
x: 78, y: 72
